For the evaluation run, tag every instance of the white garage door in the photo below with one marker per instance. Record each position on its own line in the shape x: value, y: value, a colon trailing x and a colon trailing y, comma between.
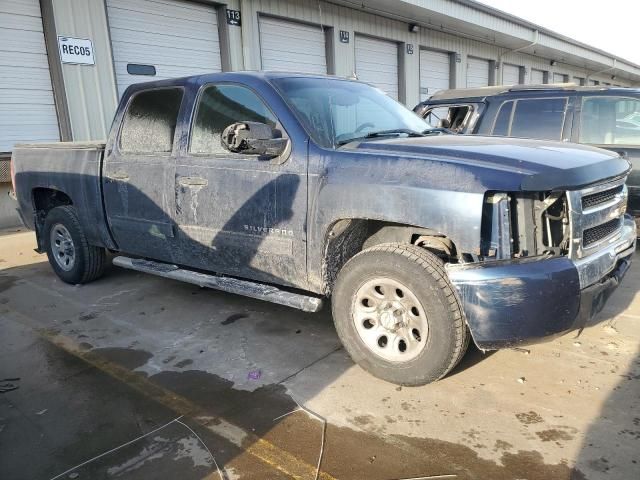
x: 177, y: 38
x: 27, y: 110
x: 537, y: 77
x: 510, y: 74
x: 377, y: 64
x: 292, y: 47
x: 477, y: 72
x: 559, y: 78
x: 434, y: 72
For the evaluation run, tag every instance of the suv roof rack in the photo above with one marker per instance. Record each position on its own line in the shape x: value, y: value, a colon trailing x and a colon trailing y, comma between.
x: 498, y: 89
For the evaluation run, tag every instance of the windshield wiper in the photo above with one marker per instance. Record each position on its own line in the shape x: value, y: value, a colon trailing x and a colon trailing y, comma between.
x: 384, y: 133
x: 438, y: 130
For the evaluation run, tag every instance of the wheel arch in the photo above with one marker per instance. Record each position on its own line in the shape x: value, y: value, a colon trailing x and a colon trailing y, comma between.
x: 346, y: 237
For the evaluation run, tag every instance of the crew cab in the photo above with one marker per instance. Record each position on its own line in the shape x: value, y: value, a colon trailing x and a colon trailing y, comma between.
x: 601, y: 116
x: 295, y: 188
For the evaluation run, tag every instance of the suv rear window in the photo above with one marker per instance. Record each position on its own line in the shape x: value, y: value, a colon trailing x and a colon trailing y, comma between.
x: 610, y: 121
x: 540, y: 118
x: 150, y: 121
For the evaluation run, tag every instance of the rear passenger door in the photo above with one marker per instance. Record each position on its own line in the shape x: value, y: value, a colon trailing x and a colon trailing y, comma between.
x: 545, y: 118
x: 138, y: 174
x: 240, y: 214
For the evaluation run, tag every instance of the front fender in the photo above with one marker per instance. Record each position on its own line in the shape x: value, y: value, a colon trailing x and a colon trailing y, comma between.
x: 346, y: 195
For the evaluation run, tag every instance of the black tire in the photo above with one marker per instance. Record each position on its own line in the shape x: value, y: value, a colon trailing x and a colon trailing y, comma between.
x: 89, y: 260
x: 424, y: 276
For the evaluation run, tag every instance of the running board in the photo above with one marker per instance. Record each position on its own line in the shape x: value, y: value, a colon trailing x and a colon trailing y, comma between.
x: 226, y: 284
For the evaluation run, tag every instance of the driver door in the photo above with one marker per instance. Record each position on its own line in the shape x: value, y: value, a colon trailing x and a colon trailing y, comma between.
x: 235, y: 213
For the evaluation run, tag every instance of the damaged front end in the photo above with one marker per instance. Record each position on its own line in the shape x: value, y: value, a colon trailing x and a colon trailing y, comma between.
x: 524, y: 224
x: 546, y: 264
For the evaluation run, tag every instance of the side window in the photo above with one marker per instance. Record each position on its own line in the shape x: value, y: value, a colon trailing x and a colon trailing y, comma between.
x: 610, y: 121
x: 436, y: 115
x: 501, y: 126
x: 453, y: 117
x: 218, y: 107
x: 150, y: 121
x: 541, y: 118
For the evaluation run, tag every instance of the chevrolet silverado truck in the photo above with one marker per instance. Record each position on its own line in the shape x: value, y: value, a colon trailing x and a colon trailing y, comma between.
x: 295, y: 188
x: 601, y: 116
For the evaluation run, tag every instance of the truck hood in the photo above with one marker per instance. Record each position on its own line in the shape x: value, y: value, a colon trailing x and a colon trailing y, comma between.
x: 539, y: 165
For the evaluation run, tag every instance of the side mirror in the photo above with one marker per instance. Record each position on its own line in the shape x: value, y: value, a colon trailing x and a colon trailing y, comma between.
x: 253, y: 138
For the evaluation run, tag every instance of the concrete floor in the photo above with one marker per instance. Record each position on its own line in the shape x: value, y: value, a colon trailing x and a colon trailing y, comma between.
x: 139, y: 377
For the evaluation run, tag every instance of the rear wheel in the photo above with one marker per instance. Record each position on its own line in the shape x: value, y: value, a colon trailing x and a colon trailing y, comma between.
x: 69, y: 253
x: 398, y: 316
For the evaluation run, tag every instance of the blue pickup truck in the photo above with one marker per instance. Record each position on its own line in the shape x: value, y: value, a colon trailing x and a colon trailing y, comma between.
x: 294, y: 188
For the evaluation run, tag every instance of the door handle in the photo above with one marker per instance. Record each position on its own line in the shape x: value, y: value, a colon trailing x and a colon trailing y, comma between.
x: 192, y: 182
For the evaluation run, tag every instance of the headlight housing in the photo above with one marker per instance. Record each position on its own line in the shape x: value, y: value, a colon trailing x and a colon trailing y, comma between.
x: 522, y: 224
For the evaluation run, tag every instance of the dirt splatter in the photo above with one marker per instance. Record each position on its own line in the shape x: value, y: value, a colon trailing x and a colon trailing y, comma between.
x: 502, y: 445
x: 85, y: 317
x: 233, y: 318
x: 553, y: 435
x: 184, y: 363
x: 529, y: 418
x: 363, y: 420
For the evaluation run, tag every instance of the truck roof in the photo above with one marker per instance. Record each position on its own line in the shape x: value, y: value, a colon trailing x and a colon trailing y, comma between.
x: 480, y: 92
x: 228, y: 76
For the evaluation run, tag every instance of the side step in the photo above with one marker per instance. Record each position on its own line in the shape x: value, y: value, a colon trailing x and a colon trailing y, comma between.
x: 226, y: 284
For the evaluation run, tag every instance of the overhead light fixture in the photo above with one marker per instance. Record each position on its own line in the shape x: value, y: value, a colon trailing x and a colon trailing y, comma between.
x: 413, y: 28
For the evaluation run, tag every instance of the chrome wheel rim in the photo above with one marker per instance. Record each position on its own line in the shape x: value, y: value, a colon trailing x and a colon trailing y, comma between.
x: 62, y: 247
x: 390, y: 320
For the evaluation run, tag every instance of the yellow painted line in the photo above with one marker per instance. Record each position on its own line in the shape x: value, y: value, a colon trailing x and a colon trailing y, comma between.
x: 255, y: 446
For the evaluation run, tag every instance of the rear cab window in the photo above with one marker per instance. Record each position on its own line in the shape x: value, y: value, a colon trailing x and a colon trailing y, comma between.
x: 537, y: 118
x: 610, y: 120
x: 149, y: 124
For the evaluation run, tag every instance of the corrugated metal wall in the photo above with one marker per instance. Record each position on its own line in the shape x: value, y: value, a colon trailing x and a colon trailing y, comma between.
x: 91, y: 91
x: 27, y: 108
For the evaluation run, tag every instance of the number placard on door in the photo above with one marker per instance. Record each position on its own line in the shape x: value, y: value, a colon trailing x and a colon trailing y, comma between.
x: 234, y: 17
x: 77, y: 51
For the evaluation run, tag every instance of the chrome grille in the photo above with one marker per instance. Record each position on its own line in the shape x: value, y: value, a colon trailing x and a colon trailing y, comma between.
x: 595, y: 234
x: 596, y: 216
x: 598, y: 198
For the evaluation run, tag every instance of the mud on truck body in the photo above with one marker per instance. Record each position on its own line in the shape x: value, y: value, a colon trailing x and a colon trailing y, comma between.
x: 295, y: 188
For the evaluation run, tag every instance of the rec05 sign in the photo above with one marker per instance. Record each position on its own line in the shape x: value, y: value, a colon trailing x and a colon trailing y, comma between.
x: 78, y: 51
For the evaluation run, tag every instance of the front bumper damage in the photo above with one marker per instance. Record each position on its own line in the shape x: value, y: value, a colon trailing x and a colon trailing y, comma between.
x: 516, y: 302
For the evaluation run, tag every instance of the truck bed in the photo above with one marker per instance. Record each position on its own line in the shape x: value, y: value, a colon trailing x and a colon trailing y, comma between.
x: 73, y: 168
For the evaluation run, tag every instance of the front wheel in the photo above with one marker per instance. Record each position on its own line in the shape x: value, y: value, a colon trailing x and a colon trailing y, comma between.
x: 73, y: 259
x: 398, y: 316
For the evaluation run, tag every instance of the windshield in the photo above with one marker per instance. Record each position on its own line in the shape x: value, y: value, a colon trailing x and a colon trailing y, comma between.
x: 336, y: 111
